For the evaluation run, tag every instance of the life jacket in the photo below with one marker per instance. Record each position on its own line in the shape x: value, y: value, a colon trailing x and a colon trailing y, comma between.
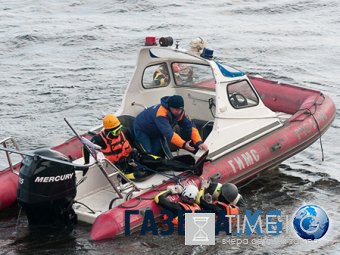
x: 186, y: 207
x: 229, y: 209
x: 116, y: 148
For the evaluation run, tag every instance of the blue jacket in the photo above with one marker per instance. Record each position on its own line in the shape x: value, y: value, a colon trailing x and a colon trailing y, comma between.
x: 157, y: 120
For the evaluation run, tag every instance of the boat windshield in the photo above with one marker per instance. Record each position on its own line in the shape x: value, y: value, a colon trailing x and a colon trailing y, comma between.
x: 156, y: 76
x: 241, y: 95
x: 193, y: 75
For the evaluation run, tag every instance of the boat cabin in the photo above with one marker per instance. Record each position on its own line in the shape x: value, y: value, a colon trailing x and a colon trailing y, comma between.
x: 220, y: 100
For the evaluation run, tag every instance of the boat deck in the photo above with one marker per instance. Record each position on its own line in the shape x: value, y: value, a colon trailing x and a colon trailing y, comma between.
x: 95, y: 194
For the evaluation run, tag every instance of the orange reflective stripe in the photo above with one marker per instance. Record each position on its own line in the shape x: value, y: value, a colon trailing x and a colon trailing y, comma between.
x: 195, y: 136
x: 177, y: 140
x: 162, y: 112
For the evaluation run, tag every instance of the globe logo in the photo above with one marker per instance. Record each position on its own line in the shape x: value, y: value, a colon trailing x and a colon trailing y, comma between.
x: 311, y: 222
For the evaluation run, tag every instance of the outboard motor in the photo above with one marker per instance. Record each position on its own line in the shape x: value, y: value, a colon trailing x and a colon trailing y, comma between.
x: 47, y: 189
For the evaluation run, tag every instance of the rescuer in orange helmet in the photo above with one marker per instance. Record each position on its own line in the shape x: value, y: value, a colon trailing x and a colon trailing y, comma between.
x: 117, y: 149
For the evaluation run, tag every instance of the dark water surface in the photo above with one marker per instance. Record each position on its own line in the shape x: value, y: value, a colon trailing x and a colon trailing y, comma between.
x: 74, y: 59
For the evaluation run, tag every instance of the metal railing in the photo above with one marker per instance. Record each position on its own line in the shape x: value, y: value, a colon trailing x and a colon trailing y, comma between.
x: 111, y: 172
x: 4, y: 143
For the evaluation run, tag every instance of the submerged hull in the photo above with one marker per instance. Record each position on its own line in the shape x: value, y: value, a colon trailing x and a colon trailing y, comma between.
x: 312, y: 114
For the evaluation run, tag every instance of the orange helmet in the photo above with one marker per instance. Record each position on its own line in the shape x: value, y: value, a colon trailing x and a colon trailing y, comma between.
x: 110, y: 121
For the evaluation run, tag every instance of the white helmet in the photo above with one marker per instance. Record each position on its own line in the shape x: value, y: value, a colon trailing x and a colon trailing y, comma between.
x: 190, y: 192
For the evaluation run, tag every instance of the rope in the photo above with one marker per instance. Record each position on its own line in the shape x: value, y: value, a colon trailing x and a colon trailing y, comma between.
x: 211, y: 105
x: 139, y: 200
x: 251, y: 118
x: 112, y: 201
x: 165, y: 148
x: 317, y: 124
x: 315, y: 104
x: 76, y: 202
x: 131, y: 206
x: 17, y: 223
x: 307, y: 111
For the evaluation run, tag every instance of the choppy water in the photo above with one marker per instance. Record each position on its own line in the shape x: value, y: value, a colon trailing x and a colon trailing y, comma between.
x: 74, y: 59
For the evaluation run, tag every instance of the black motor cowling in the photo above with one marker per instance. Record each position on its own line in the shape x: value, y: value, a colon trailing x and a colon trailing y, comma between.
x: 47, y: 189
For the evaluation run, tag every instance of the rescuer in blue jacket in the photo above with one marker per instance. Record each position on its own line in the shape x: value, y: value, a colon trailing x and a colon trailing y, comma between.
x: 157, y: 121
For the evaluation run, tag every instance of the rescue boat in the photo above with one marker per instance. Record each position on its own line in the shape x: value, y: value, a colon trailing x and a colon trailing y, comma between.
x: 249, y: 123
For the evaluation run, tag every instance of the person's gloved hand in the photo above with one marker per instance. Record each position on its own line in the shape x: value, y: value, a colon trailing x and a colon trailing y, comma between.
x: 205, y: 184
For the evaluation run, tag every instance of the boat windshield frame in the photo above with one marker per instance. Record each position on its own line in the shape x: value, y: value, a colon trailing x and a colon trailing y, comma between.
x: 242, y: 96
x: 189, y: 75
